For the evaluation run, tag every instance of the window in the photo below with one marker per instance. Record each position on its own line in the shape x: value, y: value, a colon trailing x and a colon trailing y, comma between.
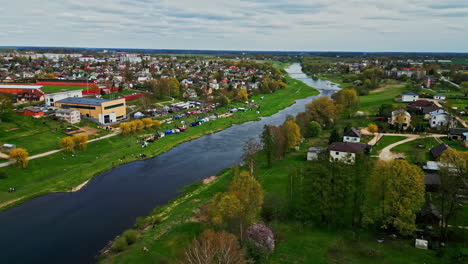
x: 113, y: 106
x: 337, y: 153
x: 79, y: 106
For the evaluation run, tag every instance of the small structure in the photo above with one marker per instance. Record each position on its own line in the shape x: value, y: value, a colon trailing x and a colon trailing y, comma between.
x: 31, y: 111
x: 439, y: 97
x: 346, y: 151
x: 313, y: 153
x: 409, y: 97
x: 465, y: 140
x: 400, y: 116
x: 432, y: 181
x: 421, y: 244
x: 429, y: 81
x: 457, y: 133
x: 437, y: 151
x: 138, y: 115
x: 352, y: 135
x: 68, y: 115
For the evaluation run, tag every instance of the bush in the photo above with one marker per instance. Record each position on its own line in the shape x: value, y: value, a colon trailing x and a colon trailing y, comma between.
x: 3, y: 175
x: 131, y: 236
x: 119, y: 245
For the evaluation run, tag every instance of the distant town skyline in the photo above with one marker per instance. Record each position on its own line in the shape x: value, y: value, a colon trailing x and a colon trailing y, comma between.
x: 276, y: 25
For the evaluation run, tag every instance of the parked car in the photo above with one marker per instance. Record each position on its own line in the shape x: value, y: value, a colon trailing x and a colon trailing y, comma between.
x: 182, y: 129
x: 193, y: 124
x: 168, y: 132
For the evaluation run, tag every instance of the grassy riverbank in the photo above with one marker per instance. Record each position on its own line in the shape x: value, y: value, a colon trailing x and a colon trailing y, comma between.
x: 61, y: 171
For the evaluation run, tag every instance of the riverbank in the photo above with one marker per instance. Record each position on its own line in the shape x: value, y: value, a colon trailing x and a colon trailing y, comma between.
x: 60, y: 173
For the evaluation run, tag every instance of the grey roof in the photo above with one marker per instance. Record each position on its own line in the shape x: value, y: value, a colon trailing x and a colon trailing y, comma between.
x: 432, y: 179
x: 353, y: 132
x: 457, y: 131
x: 83, y: 100
x: 316, y: 149
x: 437, y: 151
x: 347, y: 147
x: 410, y: 93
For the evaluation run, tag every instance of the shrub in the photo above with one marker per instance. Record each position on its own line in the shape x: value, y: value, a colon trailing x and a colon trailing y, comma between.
x: 20, y: 157
x: 131, y: 236
x: 120, y: 244
x: 3, y: 175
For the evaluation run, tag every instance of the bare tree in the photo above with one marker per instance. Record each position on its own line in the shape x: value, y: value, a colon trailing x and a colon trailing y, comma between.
x: 250, y: 148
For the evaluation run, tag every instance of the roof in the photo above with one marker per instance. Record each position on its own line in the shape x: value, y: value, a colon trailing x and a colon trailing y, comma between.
x: 15, y: 86
x: 65, y: 110
x: 353, y: 132
x: 410, y: 93
x: 427, y: 110
x: 421, y: 103
x: 432, y: 178
x: 347, y: 147
x: 438, y: 150
x: 457, y: 131
x: 83, y: 100
x: 316, y: 149
x: 400, y: 111
x: 439, y: 95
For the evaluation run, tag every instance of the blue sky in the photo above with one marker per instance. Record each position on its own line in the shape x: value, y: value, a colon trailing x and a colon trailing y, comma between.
x: 311, y: 25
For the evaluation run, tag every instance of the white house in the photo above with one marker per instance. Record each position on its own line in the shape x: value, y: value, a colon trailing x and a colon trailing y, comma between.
x: 439, y: 97
x: 409, y: 97
x: 345, y: 151
x: 439, y: 118
x: 50, y: 99
x: 313, y: 153
x: 69, y: 115
x: 352, y: 135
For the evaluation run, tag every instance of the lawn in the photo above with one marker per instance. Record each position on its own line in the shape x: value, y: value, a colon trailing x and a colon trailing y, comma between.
x: 56, y: 89
x: 58, y: 172
x: 385, y: 141
x: 371, y: 103
x: 455, y: 144
x: 414, y: 153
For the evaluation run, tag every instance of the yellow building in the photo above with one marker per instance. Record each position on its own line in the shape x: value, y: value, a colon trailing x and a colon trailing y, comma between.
x: 102, y: 111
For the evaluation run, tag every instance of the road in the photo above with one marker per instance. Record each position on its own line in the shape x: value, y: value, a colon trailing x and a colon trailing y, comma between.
x: 386, y: 153
x: 442, y: 78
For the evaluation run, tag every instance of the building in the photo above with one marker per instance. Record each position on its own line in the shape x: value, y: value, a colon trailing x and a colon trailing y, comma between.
x: 131, y: 58
x: 439, y: 119
x: 314, y: 152
x: 437, y: 151
x: 31, y: 111
x: 24, y: 93
x: 352, y: 135
x: 400, y: 116
x: 439, y: 97
x: 409, y: 97
x: 457, y: 133
x: 50, y: 99
x: 346, y: 151
x: 68, y: 115
x: 102, y: 111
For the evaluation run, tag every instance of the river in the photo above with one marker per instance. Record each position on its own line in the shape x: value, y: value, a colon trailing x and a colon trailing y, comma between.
x: 73, y: 227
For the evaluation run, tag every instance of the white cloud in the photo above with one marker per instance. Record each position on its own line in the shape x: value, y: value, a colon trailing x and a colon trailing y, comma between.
x: 354, y: 25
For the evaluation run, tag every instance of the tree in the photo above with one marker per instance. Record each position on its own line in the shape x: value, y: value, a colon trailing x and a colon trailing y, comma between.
x: 464, y: 88
x: 250, y: 148
x: 302, y: 120
x: 267, y: 143
x: 68, y: 144
x: 133, y: 126
x: 174, y: 87
x: 5, y: 105
x: 81, y: 141
x: 323, y: 111
x: 214, y: 247
x: 372, y: 128
x: 453, y: 175
x: 223, y: 100
x: 314, y: 129
x: 125, y: 129
x: 156, y: 124
x: 147, y: 123
x: 334, y: 136
x: 394, y: 193
x: 20, y: 157
x: 346, y: 98
x: 49, y: 76
x: 139, y: 126
x: 293, y: 133
x: 242, y: 95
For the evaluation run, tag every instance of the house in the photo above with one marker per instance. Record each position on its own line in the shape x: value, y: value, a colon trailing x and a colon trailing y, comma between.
x: 313, y: 153
x: 465, y: 139
x: 346, y: 151
x: 102, y: 111
x: 50, y: 99
x: 400, y: 116
x: 352, y: 135
x: 190, y: 93
x: 457, y: 133
x: 419, y: 106
x: 437, y: 151
x: 428, y: 110
x: 68, y: 115
x: 24, y: 93
x: 439, y: 119
x: 439, y: 97
x: 31, y: 111
x: 409, y: 97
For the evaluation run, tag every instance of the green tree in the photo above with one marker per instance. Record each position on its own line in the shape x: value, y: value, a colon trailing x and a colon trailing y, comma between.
x: 394, y: 193
x: 267, y: 143
x: 323, y: 111
x: 293, y: 133
x: 67, y: 144
x: 334, y: 136
x: 174, y: 87
x: 314, y: 129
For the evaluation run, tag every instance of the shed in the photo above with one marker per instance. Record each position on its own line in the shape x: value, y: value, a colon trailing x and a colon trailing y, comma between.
x: 437, y: 151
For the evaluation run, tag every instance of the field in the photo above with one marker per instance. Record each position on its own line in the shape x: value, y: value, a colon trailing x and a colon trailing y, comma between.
x: 56, y: 89
x: 371, y: 103
x: 58, y: 172
x: 385, y: 141
x: 414, y: 153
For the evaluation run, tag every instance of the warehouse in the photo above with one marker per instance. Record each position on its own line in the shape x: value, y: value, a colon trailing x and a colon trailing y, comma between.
x: 102, y: 111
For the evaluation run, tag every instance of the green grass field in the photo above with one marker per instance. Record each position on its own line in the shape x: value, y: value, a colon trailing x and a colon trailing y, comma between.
x: 371, y: 103
x: 414, y: 153
x: 385, y: 141
x: 56, y: 89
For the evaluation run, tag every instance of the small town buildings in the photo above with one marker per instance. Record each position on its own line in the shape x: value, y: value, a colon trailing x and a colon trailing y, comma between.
x: 24, y: 93
x: 50, y: 99
x: 352, y: 135
x: 439, y: 97
x: 313, y: 153
x: 346, y: 151
x: 439, y: 119
x: 102, y: 111
x: 31, y: 111
x: 68, y: 115
x: 409, y: 97
x: 400, y: 116
x: 437, y: 151
x: 457, y: 133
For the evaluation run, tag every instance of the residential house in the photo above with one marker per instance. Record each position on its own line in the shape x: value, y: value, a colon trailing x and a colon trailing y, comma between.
x: 457, y: 133
x: 352, y: 135
x: 439, y: 97
x: 439, y: 119
x: 314, y: 152
x: 400, y: 116
x: 31, y: 111
x: 50, y: 99
x: 346, y: 151
x: 409, y: 97
x: 68, y: 115
x: 437, y: 151
x: 190, y: 93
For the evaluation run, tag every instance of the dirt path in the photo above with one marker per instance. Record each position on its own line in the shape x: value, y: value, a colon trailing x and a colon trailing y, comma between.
x: 386, y: 153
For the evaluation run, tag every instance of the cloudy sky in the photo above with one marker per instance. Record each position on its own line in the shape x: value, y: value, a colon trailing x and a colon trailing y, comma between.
x: 311, y: 25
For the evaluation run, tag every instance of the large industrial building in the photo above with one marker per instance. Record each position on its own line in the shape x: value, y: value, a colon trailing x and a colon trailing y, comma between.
x: 102, y: 111
x: 51, y: 98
